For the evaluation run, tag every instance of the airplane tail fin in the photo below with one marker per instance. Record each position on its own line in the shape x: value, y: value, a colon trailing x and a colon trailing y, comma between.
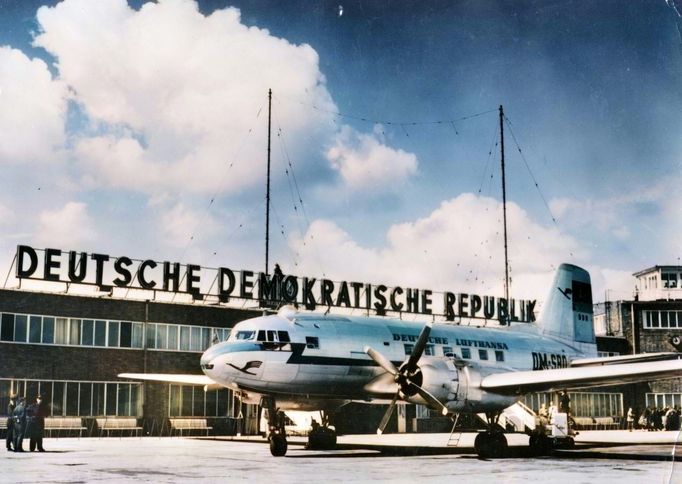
x: 567, y: 311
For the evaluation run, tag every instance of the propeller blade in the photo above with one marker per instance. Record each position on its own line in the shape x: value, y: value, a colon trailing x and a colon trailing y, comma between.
x: 383, y: 384
x: 387, y: 416
x: 381, y: 360
x: 431, y: 400
x: 419, y: 347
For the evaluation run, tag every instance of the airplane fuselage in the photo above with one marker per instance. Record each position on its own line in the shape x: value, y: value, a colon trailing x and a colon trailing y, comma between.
x: 312, y: 361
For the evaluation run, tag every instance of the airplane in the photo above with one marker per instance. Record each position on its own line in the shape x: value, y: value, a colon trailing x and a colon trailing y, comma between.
x: 307, y: 361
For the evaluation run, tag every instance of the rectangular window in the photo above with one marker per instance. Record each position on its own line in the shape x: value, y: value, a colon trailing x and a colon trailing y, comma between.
x: 198, y: 403
x: 283, y: 336
x: 172, y: 337
x: 175, y: 400
x: 100, y: 333
x: 61, y: 334
x: 126, y: 334
x: 35, y: 329
x: 466, y: 353
x: 499, y: 355
x: 409, y: 349
x: 205, y: 338
x: 654, y: 319
x: 88, y: 332
x: 113, y: 340
x: 195, y: 340
x: 58, y: 398
x: 85, y: 407
x: 124, y: 399
x: 48, y: 330
x: 482, y: 354
x: 664, y: 319
x: 447, y: 351
x: 7, y: 331
x: 111, y: 398
x: 672, y: 319
x: 186, y: 409
x: 74, y: 331
x: 312, y: 342
x: 184, y: 338
x: 151, y: 335
x: 71, y: 399
x: 98, y: 400
x: 136, y: 341
x: 429, y: 350
x: 20, y: 328
x: 161, y: 336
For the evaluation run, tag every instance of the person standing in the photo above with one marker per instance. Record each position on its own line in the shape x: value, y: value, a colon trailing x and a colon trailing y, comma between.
x: 35, y: 424
x: 19, y: 424
x: 630, y: 419
x: 9, y: 439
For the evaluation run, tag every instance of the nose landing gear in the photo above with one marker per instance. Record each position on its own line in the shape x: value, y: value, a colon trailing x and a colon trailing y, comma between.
x: 276, y: 432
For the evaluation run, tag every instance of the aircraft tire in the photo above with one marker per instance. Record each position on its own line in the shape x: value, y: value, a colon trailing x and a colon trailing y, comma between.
x: 278, y: 445
x: 539, y: 444
x: 490, y: 445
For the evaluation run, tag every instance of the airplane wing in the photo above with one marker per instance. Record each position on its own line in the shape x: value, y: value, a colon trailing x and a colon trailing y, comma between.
x: 200, y: 380
x: 618, y: 360
x: 520, y: 382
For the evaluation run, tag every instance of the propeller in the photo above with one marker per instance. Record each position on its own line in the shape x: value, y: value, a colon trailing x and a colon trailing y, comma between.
x: 408, y: 377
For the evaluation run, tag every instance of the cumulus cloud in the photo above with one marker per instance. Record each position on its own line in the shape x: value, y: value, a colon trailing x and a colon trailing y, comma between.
x: 68, y: 226
x: 458, y: 246
x: 176, y: 97
x: 179, y: 225
x: 32, y: 109
x: 365, y: 161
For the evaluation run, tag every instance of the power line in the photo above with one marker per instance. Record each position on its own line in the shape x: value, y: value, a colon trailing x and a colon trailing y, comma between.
x: 523, y: 157
x: 403, y: 124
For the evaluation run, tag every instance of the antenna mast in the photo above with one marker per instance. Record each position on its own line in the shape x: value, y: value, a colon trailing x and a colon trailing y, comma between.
x: 267, y: 191
x: 504, y: 211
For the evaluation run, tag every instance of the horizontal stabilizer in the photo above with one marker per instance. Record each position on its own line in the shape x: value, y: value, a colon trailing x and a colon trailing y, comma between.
x: 521, y: 382
x: 200, y: 380
x: 619, y: 360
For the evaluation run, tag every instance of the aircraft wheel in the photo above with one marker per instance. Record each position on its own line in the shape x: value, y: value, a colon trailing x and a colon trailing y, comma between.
x: 539, y: 444
x: 490, y: 445
x: 278, y: 445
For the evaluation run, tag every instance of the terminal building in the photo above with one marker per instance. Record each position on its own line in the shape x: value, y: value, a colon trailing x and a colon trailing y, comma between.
x: 70, y: 348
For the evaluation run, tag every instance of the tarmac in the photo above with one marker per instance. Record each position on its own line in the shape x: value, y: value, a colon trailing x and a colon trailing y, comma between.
x: 607, y: 456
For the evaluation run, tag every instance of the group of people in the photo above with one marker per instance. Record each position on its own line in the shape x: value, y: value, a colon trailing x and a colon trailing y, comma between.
x: 25, y: 421
x: 652, y: 419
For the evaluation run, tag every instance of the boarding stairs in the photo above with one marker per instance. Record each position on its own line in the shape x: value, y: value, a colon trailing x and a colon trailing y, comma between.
x: 519, y: 416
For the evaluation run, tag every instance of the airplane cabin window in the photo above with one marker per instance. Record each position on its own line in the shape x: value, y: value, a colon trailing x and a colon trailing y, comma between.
x: 466, y: 353
x: 482, y: 354
x: 312, y: 342
x: 499, y: 355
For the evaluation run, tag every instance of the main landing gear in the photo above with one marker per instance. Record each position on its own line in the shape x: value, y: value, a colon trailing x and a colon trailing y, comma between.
x: 492, y: 443
x: 276, y: 433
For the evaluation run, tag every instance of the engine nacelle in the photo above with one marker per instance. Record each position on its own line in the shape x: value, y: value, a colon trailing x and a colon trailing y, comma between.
x: 458, y: 387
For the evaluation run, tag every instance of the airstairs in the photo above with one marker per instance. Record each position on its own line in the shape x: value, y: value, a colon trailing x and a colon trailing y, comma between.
x: 519, y: 416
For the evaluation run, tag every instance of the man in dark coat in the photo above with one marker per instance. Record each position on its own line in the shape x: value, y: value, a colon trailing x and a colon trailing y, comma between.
x: 19, y: 424
x: 9, y: 439
x: 35, y: 424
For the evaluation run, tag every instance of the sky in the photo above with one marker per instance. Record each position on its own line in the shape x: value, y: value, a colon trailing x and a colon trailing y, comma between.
x: 140, y: 129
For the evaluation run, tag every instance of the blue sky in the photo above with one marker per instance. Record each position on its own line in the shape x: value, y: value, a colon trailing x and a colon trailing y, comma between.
x: 142, y: 133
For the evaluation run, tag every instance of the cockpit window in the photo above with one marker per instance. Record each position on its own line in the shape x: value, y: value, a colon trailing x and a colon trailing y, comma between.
x: 243, y: 335
x: 283, y: 336
x: 270, y: 336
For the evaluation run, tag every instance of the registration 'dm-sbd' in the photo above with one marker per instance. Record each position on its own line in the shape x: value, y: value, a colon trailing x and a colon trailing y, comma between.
x: 308, y: 361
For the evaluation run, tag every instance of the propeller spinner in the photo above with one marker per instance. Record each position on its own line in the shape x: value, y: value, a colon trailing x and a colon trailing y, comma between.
x: 408, y: 377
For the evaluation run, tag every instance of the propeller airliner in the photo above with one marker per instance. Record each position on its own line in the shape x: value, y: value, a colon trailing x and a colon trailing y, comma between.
x: 309, y: 361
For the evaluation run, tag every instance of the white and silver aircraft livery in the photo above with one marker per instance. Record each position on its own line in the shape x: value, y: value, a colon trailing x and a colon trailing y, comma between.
x: 308, y: 361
